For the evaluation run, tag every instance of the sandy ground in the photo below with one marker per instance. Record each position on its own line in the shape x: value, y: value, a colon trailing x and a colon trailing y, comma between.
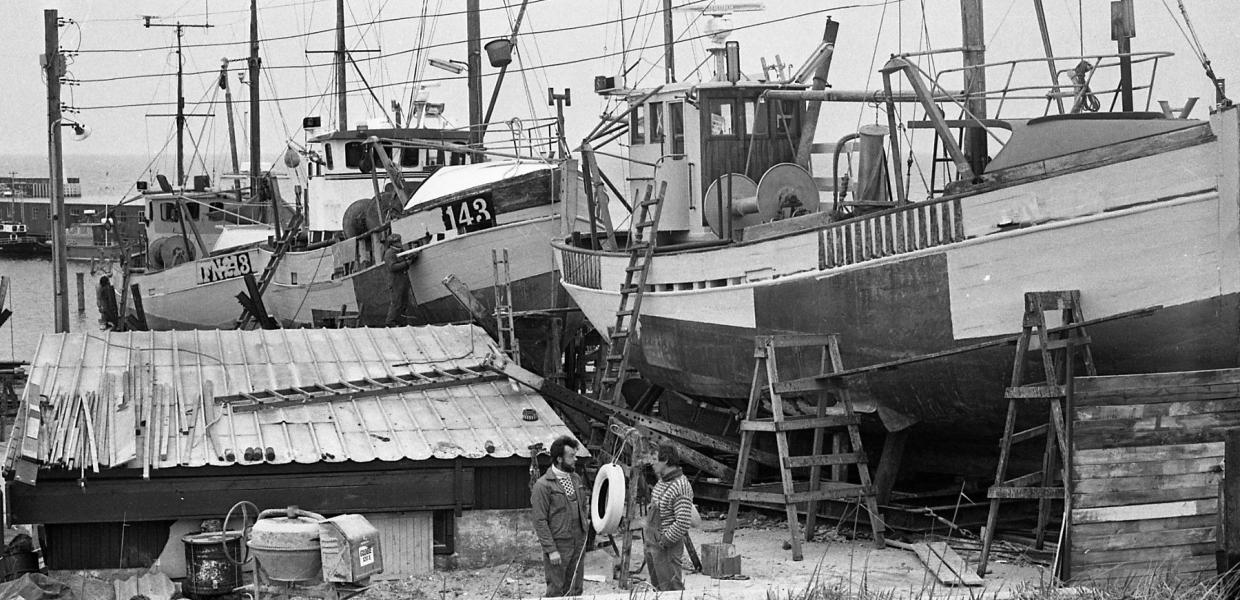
x: 834, y: 562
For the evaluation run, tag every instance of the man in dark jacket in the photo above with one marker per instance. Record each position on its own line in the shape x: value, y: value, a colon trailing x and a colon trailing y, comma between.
x: 398, y: 275
x: 105, y: 299
x: 668, y: 522
x: 561, y: 519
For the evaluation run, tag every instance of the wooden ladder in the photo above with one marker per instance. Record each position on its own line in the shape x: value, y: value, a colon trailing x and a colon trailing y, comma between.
x: 641, y: 251
x: 1057, y: 352
x: 766, y: 379
x: 504, y: 323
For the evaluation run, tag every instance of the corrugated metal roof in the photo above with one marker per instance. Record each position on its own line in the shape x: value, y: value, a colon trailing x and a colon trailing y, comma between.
x: 120, y: 377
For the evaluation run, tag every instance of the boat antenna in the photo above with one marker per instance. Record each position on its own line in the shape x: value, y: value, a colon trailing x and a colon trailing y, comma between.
x: 180, y: 114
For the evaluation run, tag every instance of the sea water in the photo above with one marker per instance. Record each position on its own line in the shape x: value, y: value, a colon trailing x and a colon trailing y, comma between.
x: 30, y: 279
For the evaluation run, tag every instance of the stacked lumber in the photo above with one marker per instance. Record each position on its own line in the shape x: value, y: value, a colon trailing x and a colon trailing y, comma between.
x: 131, y: 420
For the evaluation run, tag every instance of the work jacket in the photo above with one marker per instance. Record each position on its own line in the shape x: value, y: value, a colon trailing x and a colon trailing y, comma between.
x: 554, y: 518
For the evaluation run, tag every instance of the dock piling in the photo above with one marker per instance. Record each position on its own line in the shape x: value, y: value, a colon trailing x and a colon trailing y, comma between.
x: 81, y: 292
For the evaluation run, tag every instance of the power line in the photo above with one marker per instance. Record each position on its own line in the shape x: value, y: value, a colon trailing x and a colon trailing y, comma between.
x: 291, y: 36
x: 551, y: 65
x: 381, y: 56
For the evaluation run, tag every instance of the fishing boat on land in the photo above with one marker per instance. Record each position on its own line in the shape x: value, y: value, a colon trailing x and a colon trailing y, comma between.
x: 452, y: 200
x: 1133, y: 208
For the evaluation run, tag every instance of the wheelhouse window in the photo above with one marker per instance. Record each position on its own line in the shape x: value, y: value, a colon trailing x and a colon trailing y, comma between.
x: 656, y: 122
x: 355, y: 152
x: 785, y: 116
x: 637, y: 127
x: 457, y: 158
x: 168, y: 212
x: 327, y: 156
x: 757, y: 117
x: 193, y: 209
x: 409, y: 157
x: 722, y: 117
x: 676, y: 123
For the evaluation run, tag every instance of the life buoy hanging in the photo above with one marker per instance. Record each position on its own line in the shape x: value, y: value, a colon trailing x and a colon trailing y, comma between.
x: 608, y: 501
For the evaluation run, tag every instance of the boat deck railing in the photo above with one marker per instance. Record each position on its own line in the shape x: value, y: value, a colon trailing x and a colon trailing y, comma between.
x: 1075, y: 87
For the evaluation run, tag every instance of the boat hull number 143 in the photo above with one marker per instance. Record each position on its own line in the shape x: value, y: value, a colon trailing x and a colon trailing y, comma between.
x: 228, y: 266
x: 470, y: 214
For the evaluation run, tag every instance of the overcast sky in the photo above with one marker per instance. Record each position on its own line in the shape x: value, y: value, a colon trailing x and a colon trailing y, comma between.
x: 870, y: 30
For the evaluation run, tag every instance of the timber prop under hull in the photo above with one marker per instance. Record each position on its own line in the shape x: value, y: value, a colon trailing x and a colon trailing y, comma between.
x: 1147, y: 229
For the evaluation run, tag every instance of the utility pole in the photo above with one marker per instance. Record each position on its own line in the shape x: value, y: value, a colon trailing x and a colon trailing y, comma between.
x: 54, y: 67
x: 669, y: 55
x: 473, y: 32
x: 180, y: 114
x: 975, y: 143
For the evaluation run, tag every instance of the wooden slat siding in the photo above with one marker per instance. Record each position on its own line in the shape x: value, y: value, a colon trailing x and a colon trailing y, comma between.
x: 407, y: 541
x: 1194, y: 568
x: 120, y: 544
x: 1146, y: 465
x: 582, y: 269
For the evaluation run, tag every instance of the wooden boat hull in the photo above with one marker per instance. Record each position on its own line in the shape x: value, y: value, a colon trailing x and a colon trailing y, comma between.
x: 1159, y: 230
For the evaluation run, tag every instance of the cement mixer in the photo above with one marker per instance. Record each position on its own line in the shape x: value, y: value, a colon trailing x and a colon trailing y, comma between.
x: 299, y: 554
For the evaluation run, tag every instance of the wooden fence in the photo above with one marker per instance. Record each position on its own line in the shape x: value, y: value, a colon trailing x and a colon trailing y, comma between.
x: 1147, y: 454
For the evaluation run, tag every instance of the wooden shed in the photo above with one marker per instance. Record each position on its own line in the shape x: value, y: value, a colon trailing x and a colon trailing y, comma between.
x: 121, y: 434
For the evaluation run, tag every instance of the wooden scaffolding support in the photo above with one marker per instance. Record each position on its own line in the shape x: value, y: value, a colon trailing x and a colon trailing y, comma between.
x: 1058, y: 351
x: 766, y: 380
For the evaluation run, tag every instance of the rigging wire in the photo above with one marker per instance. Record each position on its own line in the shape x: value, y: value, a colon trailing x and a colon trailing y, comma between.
x: 574, y: 61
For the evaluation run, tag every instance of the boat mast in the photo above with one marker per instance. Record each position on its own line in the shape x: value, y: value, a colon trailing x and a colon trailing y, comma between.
x: 975, y: 143
x: 232, y: 131
x: 180, y: 114
x: 669, y: 54
x: 473, y: 32
x: 341, y: 91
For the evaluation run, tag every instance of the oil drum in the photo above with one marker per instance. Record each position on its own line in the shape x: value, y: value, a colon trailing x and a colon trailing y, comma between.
x: 208, y: 571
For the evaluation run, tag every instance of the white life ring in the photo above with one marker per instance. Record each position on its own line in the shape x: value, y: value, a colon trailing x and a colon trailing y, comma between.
x: 609, y: 494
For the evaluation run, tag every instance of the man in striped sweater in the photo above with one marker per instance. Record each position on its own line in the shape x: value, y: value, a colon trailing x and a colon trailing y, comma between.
x: 668, y: 521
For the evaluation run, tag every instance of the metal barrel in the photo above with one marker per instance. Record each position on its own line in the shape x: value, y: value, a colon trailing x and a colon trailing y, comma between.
x: 208, y: 571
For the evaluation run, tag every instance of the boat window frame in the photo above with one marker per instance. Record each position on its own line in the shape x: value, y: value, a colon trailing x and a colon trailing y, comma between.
x: 409, y: 157
x: 327, y: 156
x: 637, y: 127
x: 782, y: 125
x: 654, y: 121
x: 168, y: 212
x: 676, y: 126
x: 711, y: 105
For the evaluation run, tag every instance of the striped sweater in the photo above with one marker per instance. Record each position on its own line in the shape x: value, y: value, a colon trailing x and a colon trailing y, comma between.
x: 672, y: 497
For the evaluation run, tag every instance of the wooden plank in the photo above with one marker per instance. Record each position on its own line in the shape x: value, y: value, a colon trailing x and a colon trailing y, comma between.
x: 1144, y: 526
x: 1147, y: 468
x: 1161, y: 554
x: 1143, y: 539
x: 1135, y: 512
x: 1103, y: 456
x: 943, y: 562
x: 1152, y: 482
x: 1089, y: 387
x: 1192, y: 568
x: 1151, y: 398
x: 1150, y: 496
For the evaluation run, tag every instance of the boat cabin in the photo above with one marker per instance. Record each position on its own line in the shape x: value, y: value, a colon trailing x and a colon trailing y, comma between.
x: 691, y: 135
x: 341, y: 170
